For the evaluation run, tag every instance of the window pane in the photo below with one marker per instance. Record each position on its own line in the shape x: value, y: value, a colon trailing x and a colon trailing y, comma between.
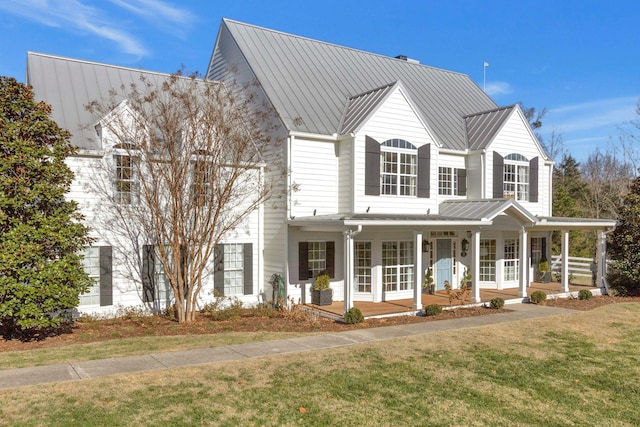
x: 233, y: 269
x: 363, y: 266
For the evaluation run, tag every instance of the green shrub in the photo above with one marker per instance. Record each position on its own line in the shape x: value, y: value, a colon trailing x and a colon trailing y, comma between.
x: 537, y: 297
x: 323, y: 281
x: 496, y: 303
x: 353, y: 315
x: 584, y: 294
x: 432, y: 310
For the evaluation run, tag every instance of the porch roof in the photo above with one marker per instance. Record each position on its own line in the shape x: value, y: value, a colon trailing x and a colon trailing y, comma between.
x: 385, y: 219
x: 486, y: 210
x: 557, y: 223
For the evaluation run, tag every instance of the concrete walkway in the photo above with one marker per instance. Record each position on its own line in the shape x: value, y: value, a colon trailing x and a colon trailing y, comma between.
x: 123, y: 365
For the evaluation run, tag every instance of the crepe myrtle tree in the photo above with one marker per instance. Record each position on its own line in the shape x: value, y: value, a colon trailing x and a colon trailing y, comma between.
x: 183, y: 169
x: 41, y: 233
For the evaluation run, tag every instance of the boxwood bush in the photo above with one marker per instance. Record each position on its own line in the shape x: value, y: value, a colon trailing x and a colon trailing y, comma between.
x: 585, y: 294
x: 537, y: 297
x: 496, y: 303
x: 353, y: 315
x: 432, y: 310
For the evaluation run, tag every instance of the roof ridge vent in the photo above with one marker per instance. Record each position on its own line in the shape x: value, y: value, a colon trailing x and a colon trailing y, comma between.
x: 406, y: 58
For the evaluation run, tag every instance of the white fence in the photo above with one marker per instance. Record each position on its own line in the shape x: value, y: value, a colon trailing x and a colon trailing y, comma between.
x: 577, y: 266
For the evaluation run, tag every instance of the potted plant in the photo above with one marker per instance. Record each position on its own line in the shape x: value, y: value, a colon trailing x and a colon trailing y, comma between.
x: 544, y: 271
x: 467, y: 280
x: 429, y: 285
x: 322, y: 294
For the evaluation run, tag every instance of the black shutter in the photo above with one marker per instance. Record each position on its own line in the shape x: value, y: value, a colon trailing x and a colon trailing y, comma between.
x: 106, y: 276
x: 148, y: 272
x: 248, y: 268
x: 462, y: 182
x: 303, y: 260
x: 331, y: 258
x: 218, y: 269
x: 372, y: 167
x: 544, y: 249
x: 498, y: 176
x: 533, y: 180
x: 424, y: 171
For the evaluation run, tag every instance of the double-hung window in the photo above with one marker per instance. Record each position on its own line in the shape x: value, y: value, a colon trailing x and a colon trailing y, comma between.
x: 399, y: 159
x: 126, y: 186
x: 516, y: 177
x: 447, y: 181
x: 91, y: 264
x: 233, y: 269
x: 397, y: 265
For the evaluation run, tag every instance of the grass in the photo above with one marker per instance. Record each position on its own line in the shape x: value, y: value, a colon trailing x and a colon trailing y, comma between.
x: 131, y: 347
x: 579, y: 369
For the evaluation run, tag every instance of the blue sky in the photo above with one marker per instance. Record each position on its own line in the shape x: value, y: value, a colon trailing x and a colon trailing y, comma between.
x: 580, y: 59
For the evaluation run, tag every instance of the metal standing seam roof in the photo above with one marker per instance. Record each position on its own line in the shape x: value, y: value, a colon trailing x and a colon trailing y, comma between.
x: 308, y: 82
x: 483, y: 209
x: 70, y: 84
x: 361, y: 106
x: 483, y: 127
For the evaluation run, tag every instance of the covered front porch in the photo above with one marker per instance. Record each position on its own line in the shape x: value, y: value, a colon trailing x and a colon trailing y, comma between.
x: 406, y: 306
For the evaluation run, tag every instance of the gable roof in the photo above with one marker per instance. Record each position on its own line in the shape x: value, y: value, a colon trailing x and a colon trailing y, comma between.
x: 485, y: 209
x: 361, y: 106
x: 484, y: 126
x: 70, y: 84
x: 310, y: 82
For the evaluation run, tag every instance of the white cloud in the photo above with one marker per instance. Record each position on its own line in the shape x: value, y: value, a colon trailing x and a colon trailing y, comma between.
x: 74, y: 15
x: 590, y: 115
x: 498, y: 88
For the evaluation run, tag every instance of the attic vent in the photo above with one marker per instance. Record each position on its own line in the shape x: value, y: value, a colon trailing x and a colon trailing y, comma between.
x: 405, y: 58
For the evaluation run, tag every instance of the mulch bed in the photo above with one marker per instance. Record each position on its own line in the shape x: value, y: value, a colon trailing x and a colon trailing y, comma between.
x: 290, y: 321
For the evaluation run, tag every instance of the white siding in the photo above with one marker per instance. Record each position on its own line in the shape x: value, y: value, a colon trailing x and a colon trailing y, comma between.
x: 394, y: 119
x: 314, y: 170
x: 346, y: 178
x: 515, y: 137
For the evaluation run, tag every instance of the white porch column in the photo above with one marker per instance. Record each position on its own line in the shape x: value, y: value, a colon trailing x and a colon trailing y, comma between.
x: 565, y: 260
x: 524, y: 264
x: 418, y: 273
x: 601, y: 259
x: 475, y: 265
x: 349, y: 274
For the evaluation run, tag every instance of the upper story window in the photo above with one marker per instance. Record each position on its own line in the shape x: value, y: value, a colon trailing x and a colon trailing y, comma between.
x: 399, y: 160
x: 452, y: 181
x: 516, y: 177
x: 126, y: 186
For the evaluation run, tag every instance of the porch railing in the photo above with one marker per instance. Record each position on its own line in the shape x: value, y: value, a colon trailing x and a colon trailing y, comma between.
x: 579, y: 267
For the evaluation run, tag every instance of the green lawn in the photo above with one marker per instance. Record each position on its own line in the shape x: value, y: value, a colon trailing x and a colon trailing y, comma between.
x: 580, y: 369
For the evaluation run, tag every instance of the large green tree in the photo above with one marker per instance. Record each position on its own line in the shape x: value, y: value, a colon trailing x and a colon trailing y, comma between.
x: 624, y: 244
x: 41, y: 233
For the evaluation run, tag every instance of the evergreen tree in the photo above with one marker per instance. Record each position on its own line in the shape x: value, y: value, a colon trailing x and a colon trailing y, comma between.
x: 41, y: 233
x: 624, y: 246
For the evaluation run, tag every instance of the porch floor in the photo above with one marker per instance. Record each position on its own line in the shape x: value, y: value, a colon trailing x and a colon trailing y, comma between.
x: 405, y: 306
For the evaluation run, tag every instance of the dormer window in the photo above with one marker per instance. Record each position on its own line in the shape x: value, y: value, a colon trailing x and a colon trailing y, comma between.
x: 126, y: 186
x: 398, y: 160
x: 516, y: 177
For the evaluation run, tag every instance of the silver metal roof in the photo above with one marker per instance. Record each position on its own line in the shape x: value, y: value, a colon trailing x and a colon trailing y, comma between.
x: 309, y: 82
x: 485, y: 209
x: 361, y: 106
x: 483, y: 127
x: 70, y: 84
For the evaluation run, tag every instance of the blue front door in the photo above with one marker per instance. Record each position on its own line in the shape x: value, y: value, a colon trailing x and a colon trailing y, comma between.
x: 443, y: 263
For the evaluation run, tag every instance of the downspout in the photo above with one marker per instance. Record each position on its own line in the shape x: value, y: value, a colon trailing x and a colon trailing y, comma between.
x: 349, y: 266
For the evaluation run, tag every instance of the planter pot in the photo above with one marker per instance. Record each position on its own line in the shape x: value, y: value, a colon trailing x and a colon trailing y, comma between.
x: 323, y: 297
x: 544, y: 276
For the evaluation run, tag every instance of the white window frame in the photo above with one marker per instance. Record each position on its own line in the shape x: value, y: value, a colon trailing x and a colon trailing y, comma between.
x: 398, y: 168
x: 91, y: 264
x: 317, y: 258
x: 233, y: 269
x: 511, y: 269
x: 362, y: 258
x: 516, y: 177
x: 447, y: 181
x: 397, y: 265
x: 130, y: 196
x: 487, y: 260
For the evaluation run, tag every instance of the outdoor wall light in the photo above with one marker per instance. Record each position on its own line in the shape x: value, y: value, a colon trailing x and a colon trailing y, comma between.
x: 465, y: 245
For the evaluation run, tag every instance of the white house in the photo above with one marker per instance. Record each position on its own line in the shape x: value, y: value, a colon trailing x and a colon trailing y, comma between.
x: 394, y: 168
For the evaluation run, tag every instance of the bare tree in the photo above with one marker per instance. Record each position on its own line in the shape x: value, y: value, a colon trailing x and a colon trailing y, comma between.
x: 183, y: 169
x: 607, y: 179
x: 630, y: 141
